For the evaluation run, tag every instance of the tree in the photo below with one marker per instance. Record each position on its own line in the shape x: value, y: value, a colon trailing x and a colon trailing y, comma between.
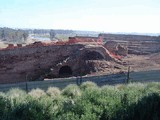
x: 25, y: 35
x: 3, y: 35
x: 13, y: 35
x: 52, y: 34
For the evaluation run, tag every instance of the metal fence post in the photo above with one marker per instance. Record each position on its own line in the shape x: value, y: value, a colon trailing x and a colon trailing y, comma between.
x: 26, y: 87
x: 26, y: 83
x: 79, y: 80
x: 128, y: 75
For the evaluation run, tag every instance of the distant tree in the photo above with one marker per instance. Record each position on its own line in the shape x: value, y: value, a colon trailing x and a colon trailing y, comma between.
x: 52, y: 34
x: 25, y: 35
x: 13, y: 35
x: 3, y: 35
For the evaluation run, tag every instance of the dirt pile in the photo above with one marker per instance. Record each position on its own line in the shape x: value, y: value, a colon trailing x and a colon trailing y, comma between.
x: 116, y: 48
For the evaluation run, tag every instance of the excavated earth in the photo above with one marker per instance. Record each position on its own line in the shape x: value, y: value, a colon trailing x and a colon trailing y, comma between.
x: 38, y: 62
x: 143, y: 62
x: 34, y: 62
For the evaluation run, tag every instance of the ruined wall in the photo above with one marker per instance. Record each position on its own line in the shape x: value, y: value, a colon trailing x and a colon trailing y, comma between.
x: 81, y: 39
x: 38, y: 62
x: 23, y: 64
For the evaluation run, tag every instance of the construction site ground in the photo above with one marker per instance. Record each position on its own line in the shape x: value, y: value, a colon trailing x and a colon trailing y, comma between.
x: 143, y: 62
x: 136, y: 63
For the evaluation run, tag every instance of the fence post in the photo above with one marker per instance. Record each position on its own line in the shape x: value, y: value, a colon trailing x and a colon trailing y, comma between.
x: 26, y: 87
x: 79, y: 80
x: 128, y: 75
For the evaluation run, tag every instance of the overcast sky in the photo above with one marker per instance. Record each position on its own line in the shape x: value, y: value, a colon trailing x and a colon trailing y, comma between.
x: 95, y: 15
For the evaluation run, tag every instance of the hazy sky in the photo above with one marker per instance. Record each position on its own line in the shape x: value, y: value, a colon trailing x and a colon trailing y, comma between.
x: 96, y: 15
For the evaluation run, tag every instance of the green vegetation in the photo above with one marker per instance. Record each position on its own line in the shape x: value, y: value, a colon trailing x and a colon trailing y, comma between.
x: 59, y: 33
x: 52, y: 34
x: 134, y: 101
x: 13, y: 35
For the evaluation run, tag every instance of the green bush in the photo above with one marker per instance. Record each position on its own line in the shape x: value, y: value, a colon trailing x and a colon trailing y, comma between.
x: 153, y: 87
x: 88, y: 84
x: 31, y: 110
x: 53, y: 92
x: 16, y: 97
x: 4, y: 106
x: 135, y: 101
x: 15, y: 92
x: 37, y: 93
x: 71, y: 91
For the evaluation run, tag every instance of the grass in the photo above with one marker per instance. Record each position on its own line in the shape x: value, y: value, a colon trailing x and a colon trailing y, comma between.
x: 135, y: 101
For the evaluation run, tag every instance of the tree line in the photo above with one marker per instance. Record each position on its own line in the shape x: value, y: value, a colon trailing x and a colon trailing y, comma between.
x: 13, y: 35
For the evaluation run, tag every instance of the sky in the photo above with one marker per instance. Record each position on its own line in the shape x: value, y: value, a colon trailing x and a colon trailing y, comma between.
x: 141, y: 16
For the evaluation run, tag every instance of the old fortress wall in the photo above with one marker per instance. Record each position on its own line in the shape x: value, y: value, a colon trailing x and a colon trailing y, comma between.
x: 38, y: 60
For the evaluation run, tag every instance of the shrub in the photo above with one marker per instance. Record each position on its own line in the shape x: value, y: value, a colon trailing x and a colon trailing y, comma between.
x: 91, y: 94
x: 153, y: 87
x: 135, y: 91
x: 4, y: 106
x: 16, y: 96
x: 68, y: 116
x: 110, y: 91
x: 88, y: 84
x: 31, y: 110
x: 71, y: 91
x: 53, y: 92
x: 153, y: 84
x: 133, y: 86
x: 2, y: 94
x: 120, y: 86
x: 111, y: 101
x: 123, y: 102
x: 147, y: 108
x: 37, y: 93
x: 86, y: 110
x: 15, y: 93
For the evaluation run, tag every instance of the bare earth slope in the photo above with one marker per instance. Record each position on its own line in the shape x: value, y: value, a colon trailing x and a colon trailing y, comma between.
x: 143, y: 62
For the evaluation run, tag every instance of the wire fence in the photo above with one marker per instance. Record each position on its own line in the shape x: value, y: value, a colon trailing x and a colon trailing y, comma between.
x: 113, y: 79
x: 63, y: 82
x: 145, y: 76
